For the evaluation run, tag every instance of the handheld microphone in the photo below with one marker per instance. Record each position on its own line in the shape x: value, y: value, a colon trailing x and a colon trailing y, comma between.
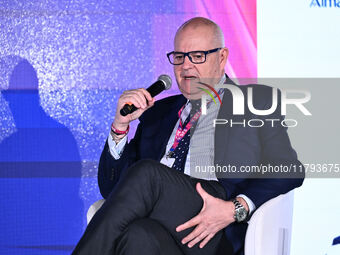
x: 163, y: 83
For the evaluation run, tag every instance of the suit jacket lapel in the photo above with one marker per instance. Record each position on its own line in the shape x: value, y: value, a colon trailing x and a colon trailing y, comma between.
x: 222, y: 131
x: 168, y: 123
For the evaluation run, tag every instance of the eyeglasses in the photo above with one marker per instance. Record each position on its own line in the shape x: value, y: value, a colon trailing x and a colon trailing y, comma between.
x: 196, y: 57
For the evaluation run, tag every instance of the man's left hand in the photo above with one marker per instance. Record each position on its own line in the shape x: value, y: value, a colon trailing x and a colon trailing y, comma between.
x: 216, y: 214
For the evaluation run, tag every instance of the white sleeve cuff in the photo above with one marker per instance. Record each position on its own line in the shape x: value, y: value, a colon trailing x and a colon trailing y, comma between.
x: 250, y: 203
x: 116, y: 150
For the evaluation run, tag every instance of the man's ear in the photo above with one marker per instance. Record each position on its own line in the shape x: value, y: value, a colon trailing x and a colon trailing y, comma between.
x: 224, y: 52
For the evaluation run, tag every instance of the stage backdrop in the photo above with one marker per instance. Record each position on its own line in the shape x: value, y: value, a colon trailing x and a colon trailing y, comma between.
x: 298, y: 45
x: 63, y: 65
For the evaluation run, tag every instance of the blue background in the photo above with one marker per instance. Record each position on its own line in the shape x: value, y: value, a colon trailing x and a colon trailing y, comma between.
x: 62, y: 66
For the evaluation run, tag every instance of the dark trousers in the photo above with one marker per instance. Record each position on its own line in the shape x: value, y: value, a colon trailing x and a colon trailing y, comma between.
x: 142, y: 212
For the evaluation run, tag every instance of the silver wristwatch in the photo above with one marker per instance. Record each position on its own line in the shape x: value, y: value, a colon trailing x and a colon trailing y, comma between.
x: 241, y: 213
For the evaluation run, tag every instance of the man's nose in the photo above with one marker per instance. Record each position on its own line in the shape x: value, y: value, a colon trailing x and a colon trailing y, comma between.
x: 187, y: 64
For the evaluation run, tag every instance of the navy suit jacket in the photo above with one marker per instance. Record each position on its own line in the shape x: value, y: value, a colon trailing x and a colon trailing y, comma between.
x: 237, y: 146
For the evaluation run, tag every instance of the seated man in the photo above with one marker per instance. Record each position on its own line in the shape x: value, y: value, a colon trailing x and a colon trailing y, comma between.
x: 155, y: 202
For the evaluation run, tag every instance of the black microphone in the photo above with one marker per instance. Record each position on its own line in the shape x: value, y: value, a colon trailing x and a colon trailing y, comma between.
x: 163, y: 83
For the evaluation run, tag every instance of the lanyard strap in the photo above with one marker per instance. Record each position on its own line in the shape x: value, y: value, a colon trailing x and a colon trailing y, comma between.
x: 181, y: 131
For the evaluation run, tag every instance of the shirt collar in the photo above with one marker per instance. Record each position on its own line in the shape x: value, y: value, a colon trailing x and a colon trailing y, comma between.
x: 187, y: 108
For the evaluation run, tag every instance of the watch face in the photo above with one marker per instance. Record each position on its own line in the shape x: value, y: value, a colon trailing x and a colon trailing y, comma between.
x: 241, y: 214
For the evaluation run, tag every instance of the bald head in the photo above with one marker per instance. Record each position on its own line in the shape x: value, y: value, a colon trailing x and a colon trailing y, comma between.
x: 214, y: 30
x: 203, y: 39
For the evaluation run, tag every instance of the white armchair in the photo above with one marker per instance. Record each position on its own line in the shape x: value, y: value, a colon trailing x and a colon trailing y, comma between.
x: 93, y: 209
x: 270, y: 227
x: 269, y: 230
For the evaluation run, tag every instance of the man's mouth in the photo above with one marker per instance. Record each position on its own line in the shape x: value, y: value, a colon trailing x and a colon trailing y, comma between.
x: 189, y: 77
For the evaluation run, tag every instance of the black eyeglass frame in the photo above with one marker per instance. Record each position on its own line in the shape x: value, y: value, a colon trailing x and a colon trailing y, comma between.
x: 190, y: 52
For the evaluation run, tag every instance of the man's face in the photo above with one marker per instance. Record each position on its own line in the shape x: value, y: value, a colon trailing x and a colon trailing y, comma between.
x: 188, y: 74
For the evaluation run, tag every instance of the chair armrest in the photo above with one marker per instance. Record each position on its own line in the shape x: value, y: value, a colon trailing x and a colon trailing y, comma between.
x: 269, y: 229
x: 93, y: 209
